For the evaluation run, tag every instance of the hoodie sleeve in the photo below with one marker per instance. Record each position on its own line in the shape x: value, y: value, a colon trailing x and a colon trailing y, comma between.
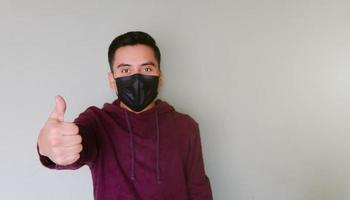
x: 197, y: 181
x: 87, y: 129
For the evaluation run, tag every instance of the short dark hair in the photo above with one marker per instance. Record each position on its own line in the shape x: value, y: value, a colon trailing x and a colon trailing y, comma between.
x: 132, y: 38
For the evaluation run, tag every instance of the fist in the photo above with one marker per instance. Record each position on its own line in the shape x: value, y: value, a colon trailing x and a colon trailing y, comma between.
x: 59, y: 140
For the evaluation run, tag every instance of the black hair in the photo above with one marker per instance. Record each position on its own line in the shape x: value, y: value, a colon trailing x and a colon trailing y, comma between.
x: 132, y: 38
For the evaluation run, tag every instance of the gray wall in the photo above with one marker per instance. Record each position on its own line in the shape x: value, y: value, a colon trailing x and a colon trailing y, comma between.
x: 268, y: 82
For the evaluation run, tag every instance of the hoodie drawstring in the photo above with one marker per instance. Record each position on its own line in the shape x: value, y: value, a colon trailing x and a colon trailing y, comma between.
x: 132, y: 148
x: 157, y: 151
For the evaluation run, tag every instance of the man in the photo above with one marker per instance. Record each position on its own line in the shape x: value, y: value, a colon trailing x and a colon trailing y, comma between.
x: 137, y: 147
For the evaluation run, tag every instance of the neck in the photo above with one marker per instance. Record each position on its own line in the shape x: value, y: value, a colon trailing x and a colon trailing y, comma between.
x: 151, y: 105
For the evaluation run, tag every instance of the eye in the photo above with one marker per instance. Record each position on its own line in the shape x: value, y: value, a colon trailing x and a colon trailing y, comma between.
x: 148, y: 69
x: 125, y: 70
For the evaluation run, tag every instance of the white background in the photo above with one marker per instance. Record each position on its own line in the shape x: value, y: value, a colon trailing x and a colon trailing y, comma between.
x: 268, y: 82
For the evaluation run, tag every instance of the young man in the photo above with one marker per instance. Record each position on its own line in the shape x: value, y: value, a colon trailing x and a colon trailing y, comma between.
x: 137, y: 147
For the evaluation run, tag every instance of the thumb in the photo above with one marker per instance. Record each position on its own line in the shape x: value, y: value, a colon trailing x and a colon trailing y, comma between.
x: 59, y: 110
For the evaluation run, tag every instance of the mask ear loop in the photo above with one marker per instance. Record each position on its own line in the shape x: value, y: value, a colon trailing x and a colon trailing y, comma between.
x: 115, y: 82
x: 116, y: 87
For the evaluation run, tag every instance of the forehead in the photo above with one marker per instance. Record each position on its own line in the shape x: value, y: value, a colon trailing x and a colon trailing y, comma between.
x: 134, y: 54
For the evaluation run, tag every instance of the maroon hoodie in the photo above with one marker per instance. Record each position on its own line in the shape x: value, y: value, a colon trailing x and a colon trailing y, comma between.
x: 153, y: 155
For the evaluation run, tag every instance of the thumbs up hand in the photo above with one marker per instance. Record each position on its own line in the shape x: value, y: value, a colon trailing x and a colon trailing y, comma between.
x: 60, y: 140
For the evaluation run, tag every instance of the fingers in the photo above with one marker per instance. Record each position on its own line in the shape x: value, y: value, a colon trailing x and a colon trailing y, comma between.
x: 63, y: 152
x: 59, y: 110
x: 68, y: 128
x: 70, y: 140
x: 71, y: 159
x: 61, y: 129
x: 66, y: 155
x: 71, y: 151
x: 66, y: 160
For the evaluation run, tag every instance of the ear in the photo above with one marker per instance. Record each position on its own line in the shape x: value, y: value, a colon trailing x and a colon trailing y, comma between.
x: 111, y: 81
x: 161, y: 80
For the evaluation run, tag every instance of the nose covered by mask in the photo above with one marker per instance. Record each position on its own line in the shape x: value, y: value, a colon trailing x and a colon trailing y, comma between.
x: 137, y: 91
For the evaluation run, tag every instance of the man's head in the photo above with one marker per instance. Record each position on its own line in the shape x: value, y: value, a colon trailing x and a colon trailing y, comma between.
x: 132, y: 38
x: 133, y: 53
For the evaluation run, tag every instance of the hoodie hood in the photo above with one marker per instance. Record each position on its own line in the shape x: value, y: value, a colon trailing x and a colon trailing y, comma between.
x: 144, y: 125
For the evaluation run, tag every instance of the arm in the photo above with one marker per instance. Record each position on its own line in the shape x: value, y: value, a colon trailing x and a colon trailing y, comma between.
x: 197, y: 181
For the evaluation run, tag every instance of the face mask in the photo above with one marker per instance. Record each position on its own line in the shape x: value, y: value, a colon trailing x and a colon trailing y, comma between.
x: 137, y: 91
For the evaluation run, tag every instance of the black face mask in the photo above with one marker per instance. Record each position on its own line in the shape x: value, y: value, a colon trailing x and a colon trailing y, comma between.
x: 137, y: 91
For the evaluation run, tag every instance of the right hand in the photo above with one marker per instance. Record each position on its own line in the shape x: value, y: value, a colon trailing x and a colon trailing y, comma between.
x: 59, y: 140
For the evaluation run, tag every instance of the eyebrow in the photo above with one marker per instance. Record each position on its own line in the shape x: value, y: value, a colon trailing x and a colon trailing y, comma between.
x: 128, y: 65
x: 122, y: 65
x: 148, y: 63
